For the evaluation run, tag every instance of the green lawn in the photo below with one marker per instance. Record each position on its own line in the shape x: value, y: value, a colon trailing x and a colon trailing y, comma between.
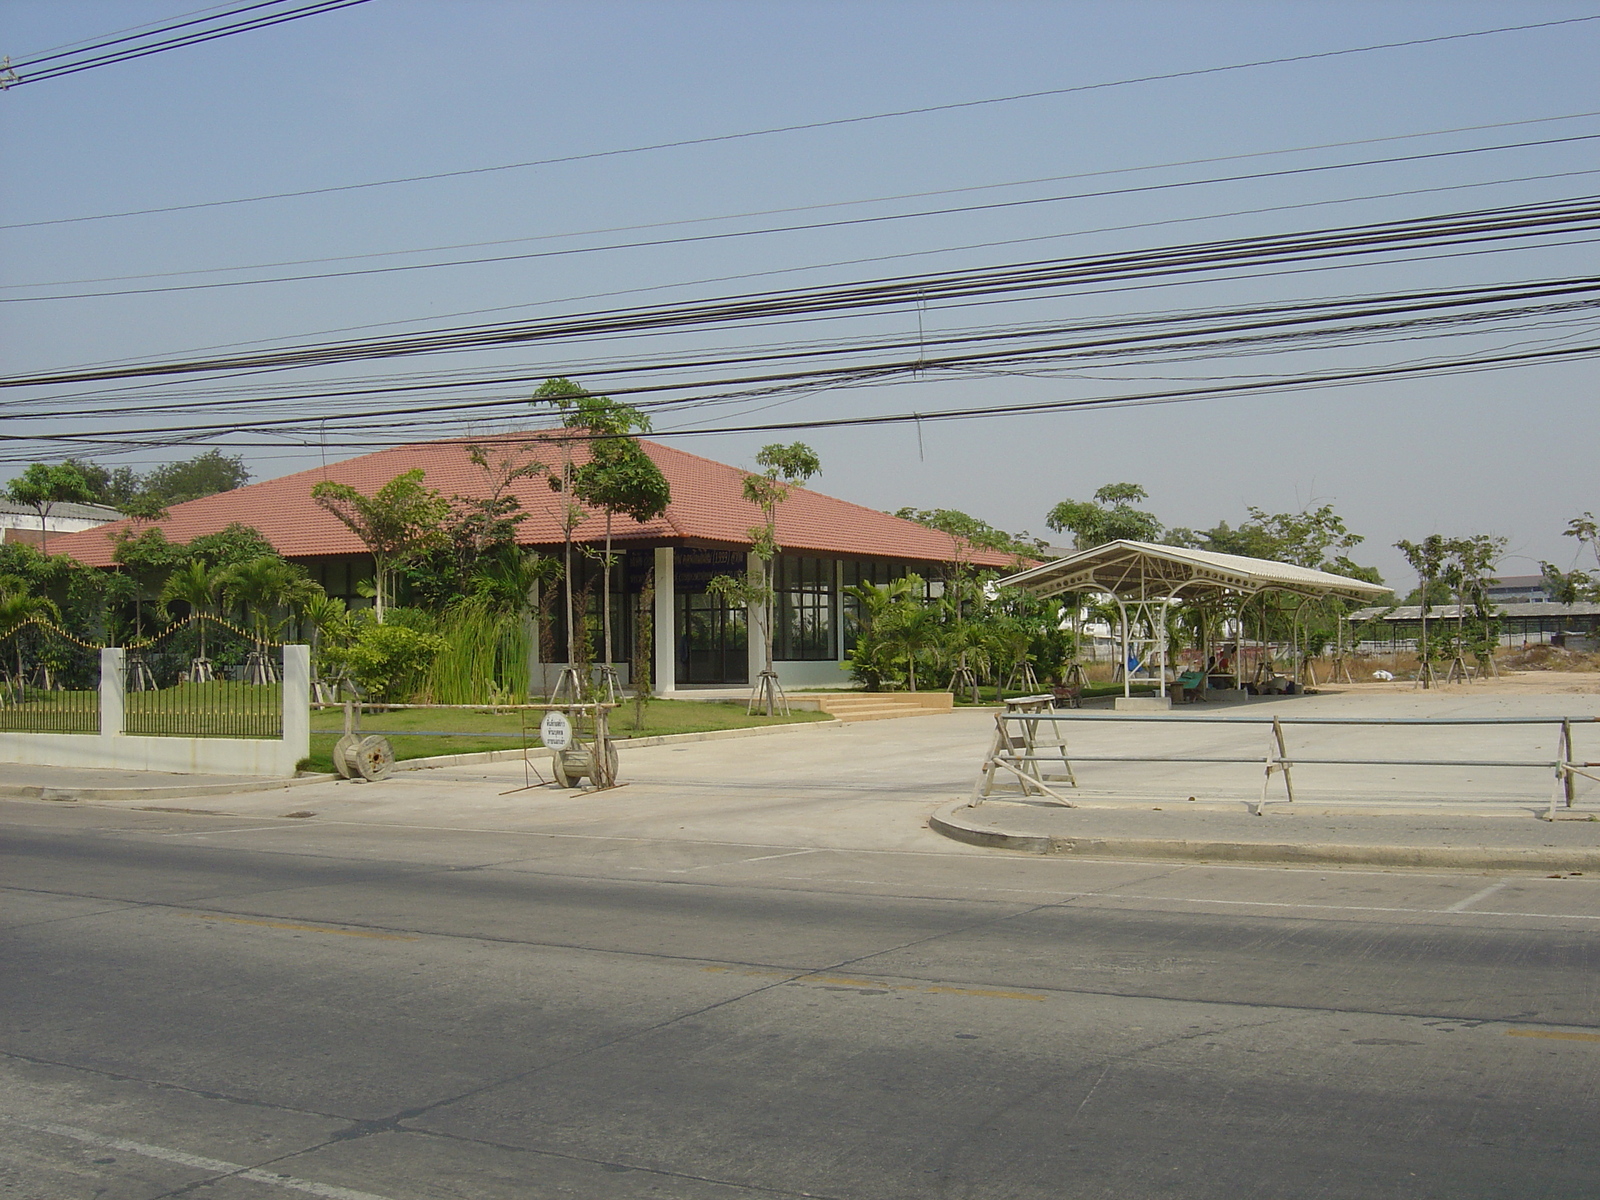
x: 424, y: 733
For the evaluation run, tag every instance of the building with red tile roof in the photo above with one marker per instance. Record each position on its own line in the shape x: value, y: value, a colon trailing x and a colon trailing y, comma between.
x: 827, y: 545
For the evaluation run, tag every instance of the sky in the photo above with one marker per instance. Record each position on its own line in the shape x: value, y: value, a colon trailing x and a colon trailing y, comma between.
x: 402, y: 88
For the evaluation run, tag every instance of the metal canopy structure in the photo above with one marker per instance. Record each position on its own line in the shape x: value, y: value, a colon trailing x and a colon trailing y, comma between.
x: 1151, y: 578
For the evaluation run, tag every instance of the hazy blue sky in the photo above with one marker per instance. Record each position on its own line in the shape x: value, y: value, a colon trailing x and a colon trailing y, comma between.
x: 406, y: 87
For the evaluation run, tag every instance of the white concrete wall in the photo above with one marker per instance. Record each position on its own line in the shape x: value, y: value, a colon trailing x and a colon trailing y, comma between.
x: 114, y: 750
x: 813, y: 673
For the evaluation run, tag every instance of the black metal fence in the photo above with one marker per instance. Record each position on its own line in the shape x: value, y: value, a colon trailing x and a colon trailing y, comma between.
x: 49, y: 681
x: 204, y: 678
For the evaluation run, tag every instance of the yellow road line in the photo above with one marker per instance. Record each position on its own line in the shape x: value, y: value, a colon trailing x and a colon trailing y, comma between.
x: 877, y: 985
x: 1554, y: 1035
x: 360, y: 933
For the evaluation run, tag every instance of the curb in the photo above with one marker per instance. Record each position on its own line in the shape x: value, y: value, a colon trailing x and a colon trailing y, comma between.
x: 664, y: 739
x: 172, y: 792
x: 949, y: 821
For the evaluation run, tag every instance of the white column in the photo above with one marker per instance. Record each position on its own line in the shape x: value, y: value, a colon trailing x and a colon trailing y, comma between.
x: 113, y: 685
x: 755, y: 640
x: 666, y: 632
x: 296, y: 703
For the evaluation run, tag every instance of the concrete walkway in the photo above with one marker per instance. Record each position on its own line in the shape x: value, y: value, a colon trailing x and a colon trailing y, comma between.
x: 905, y: 785
x: 18, y: 782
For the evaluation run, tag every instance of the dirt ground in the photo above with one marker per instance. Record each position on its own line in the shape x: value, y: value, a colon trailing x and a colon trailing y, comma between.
x: 1521, y: 683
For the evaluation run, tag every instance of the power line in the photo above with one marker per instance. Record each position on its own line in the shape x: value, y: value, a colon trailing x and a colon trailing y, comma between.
x: 804, y: 228
x: 1507, y: 223
x: 1156, y: 332
x: 1174, y: 396
x: 882, y: 258
x: 832, y: 204
x: 128, y: 53
x: 1224, y: 331
x: 812, y: 125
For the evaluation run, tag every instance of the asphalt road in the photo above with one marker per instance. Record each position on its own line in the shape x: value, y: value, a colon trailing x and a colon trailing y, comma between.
x: 228, y: 1007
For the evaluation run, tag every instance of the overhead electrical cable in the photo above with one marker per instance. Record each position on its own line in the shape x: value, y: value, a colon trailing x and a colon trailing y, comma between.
x: 807, y: 227
x: 21, y: 73
x: 832, y: 122
x: 181, y: 435
x: 880, y: 258
x: 1163, y: 331
x: 1088, y: 340
x: 1508, y: 223
x: 832, y: 204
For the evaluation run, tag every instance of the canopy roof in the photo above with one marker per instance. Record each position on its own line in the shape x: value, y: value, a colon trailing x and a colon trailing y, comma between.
x: 1146, y: 571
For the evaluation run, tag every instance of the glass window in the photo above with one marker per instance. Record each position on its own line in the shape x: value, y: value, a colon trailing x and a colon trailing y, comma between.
x: 803, y: 629
x: 859, y: 571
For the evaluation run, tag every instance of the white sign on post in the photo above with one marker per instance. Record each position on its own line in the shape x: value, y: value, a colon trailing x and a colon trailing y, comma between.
x: 555, y: 731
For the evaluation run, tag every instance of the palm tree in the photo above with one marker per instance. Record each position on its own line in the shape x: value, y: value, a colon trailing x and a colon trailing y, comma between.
x: 263, y: 587
x: 18, y: 607
x: 200, y: 587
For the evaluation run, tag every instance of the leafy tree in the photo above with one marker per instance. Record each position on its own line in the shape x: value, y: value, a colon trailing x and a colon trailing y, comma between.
x: 620, y: 478
x: 399, y: 520
x: 967, y: 531
x: 785, y: 467
x: 112, y: 487
x: 204, y: 475
x: 43, y: 486
x: 580, y: 410
x: 234, y: 543
x: 1427, y: 559
x: 1576, y: 585
x: 1110, y: 517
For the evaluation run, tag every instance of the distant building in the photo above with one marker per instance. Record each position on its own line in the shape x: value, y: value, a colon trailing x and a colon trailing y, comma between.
x: 20, y: 522
x: 1519, y: 589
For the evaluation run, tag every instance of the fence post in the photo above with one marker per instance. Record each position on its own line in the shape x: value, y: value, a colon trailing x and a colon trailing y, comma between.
x: 297, y: 702
x: 113, y: 684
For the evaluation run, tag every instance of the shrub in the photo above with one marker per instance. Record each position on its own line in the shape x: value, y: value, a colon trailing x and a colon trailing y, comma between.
x: 389, y: 661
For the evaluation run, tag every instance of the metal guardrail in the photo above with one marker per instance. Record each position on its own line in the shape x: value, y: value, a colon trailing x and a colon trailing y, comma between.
x: 1029, y: 739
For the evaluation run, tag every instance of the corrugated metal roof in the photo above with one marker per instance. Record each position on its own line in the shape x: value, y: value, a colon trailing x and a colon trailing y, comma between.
x: 708, y: 507
x: 77, y: 512
x: 1130, y: 569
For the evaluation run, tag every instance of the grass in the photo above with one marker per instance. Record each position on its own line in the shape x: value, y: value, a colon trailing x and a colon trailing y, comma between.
x: 424, y: 733
x: 991, y: 695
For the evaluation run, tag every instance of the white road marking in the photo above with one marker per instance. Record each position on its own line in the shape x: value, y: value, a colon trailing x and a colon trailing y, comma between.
x: 1463, y: 905
x: 198, y: 1162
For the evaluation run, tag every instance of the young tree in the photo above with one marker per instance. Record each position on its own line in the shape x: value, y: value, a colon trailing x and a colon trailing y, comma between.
x: 786, y: 467
x: 1427, y: 559
x: 621, y: 478
x: 200, y: 587
x: 400, y: 519
x: 1110, y: 517
x: 43, y: 486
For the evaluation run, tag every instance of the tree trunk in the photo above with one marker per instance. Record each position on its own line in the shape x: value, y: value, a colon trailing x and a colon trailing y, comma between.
x: 605, y: 596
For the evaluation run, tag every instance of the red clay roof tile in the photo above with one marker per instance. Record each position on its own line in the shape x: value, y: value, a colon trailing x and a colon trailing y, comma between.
x: 708, y: 506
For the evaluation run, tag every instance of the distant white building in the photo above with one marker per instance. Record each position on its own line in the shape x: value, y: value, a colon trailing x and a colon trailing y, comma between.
x: 20, y: 522
x: 1518, y: 589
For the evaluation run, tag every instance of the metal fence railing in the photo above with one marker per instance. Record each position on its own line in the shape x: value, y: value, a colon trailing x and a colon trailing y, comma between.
x: 49, y: 681
x: 203, y: 678
x: 1031, y: 746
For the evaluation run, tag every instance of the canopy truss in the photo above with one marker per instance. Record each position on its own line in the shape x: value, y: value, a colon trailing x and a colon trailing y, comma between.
x: 1150, y: 579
